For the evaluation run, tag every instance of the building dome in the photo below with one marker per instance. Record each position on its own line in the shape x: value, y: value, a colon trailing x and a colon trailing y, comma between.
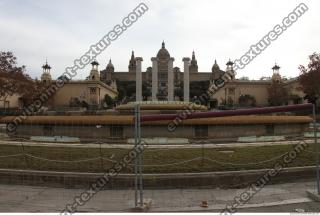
x: 215, y: 67
x: 110, y: 65
x: 163, y: 53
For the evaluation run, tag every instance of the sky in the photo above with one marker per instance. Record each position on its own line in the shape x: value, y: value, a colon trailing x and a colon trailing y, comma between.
x: 62, y: 30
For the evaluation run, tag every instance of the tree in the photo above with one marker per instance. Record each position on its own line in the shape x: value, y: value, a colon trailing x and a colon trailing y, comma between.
x: 198, y: 88
x: 247, y: 100
x: 126, y: 90
x: 109, y: 101
x: 14, y: 80
x: 309, y: 78
x: 277, y: 94
x: 146, y: 92
x: 244, y: 78
x: 74, y: 102
x: 179, y: 92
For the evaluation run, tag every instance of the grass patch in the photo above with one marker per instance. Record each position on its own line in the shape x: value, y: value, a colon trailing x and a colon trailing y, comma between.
x: 163, y: 159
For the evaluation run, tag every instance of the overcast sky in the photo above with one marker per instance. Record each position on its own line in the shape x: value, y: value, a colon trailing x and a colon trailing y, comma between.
x: 63, y: 30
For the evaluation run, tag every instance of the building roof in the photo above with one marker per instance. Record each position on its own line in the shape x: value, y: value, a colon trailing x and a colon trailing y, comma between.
x: 46, y: 66
x: 110, y: 65
x: 215, y: 67
x: 94, y: 63
x: 163, y: 53
x: 275, y: 67
x: 229, y: 63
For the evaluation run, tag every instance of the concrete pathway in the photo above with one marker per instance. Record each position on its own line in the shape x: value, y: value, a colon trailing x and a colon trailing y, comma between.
x: 18, y: 198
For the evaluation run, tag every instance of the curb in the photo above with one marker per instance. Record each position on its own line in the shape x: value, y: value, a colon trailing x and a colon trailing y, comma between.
x: 226, y: 179
x: 223, y: 206
x: 313, y: 196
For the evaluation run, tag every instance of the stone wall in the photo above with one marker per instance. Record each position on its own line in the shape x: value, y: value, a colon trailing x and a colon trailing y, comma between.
x: 149, y: 131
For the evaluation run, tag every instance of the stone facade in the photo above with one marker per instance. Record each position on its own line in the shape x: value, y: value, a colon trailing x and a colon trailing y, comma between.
x: 163, y: 63
x: 165, y: 82
x: 90, y: 92
x: 158, y: 80
x: 193, y: 130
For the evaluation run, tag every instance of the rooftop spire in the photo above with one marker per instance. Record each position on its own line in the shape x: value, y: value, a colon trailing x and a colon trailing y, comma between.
x: 94, y: 63
x: 163, y: 44
x: 229, y: 63
x: 132, y: 63
x: 46, y: 67
x: 275, y: 67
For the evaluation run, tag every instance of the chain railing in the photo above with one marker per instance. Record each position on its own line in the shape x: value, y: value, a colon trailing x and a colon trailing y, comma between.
x: 199, y: 153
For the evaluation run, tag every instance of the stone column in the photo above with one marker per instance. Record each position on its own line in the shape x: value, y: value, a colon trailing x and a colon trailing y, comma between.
x: 138, y: 79
x: 170, y: 80
x: 154, y: 78
x: 186, y: 79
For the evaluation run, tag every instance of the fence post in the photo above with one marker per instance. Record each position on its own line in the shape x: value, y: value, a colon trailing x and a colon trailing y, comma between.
x: 137, y: 161
x: 136, y: 158
x: 316, y: 146
x: 24, y: 155
x: 101, y: 157
x: 140, y: 158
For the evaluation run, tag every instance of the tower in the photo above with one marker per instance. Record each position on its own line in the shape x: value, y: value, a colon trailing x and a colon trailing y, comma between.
x: 132, y: 63
x: 46, y: 76
x: 276, y: 75
x: 162, y: 59
x: 110, y: 67
x: 193, y: 68
x: 109, y: 71
x: 229, y: 69
x: 94, y: 74
x: 216, y: 72
x: 107, y: 74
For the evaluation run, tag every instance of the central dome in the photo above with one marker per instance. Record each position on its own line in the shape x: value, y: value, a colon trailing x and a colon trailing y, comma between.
x: 163, y: 53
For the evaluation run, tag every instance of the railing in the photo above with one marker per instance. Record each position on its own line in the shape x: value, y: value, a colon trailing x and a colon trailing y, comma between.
x: 200, y: 144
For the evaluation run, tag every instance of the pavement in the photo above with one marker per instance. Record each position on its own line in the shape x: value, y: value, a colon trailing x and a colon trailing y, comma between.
x: 289, y: 197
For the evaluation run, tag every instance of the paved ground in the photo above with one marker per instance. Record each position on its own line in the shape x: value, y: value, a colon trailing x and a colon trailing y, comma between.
x: 282, y: 197
x: 299, y: 207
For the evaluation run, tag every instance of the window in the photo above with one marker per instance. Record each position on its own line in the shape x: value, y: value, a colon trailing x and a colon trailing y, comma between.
x: 231, y: 90
x: 163, y: 76
x: 116, y: 131
x: 47, y: 130
x: 6, y: 104
x: 201, y: 131
x: 93, y: 90
x: 269, y: 129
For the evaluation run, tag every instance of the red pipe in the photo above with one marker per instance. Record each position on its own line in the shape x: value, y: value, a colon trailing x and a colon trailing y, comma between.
x: 185, y: 114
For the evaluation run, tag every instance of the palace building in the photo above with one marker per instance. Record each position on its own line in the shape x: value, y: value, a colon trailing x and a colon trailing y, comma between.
x: 164, y: 82
x: 90, y: 92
